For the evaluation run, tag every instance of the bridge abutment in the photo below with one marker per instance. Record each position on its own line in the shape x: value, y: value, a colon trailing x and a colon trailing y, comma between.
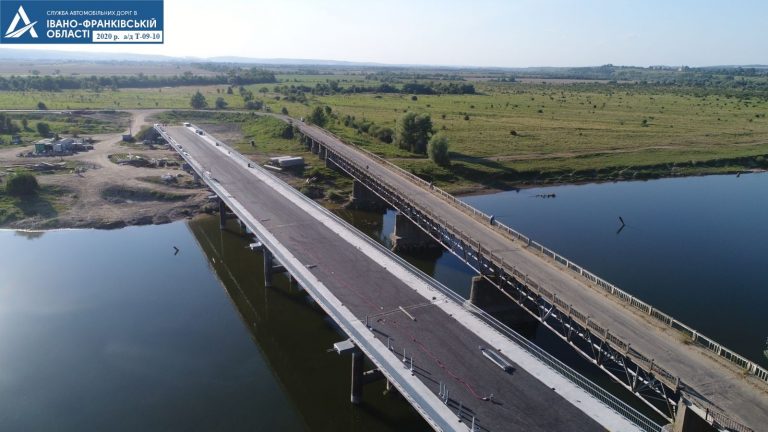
x: 409, y: 237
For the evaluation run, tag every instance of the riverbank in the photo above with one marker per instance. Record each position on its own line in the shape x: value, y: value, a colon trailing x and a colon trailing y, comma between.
x: 94, y: 189
x: 97, y: 190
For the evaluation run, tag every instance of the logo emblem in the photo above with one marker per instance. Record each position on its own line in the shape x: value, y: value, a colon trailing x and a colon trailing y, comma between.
x: 29, y: 26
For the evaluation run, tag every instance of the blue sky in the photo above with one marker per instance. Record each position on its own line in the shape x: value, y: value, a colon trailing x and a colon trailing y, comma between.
x: 471, y: 33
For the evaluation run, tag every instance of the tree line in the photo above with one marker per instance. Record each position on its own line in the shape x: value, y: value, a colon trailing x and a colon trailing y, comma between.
x: 115, y: 82
x: 297, y: 93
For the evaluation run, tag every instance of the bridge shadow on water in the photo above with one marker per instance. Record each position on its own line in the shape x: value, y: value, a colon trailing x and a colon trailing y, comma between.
x: 294, y: 335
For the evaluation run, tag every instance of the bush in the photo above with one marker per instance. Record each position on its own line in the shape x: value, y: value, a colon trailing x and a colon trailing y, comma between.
x: 385, y: 135
x: 23, y: 184
x: 438, y: 150
x: 254, y: 105
x: 221, y: 103
x: 43, y: 129
x: 41, y: 106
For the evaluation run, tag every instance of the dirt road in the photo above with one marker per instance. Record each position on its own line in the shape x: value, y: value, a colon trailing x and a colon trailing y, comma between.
x: 107, y: 195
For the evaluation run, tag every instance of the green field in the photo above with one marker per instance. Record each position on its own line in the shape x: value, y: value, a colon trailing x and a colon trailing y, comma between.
x: 83, y: 125
x: 509, y: 134
x: 43, y: 205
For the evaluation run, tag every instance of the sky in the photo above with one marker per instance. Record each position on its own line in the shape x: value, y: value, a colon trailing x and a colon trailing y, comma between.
x: 511, y: 33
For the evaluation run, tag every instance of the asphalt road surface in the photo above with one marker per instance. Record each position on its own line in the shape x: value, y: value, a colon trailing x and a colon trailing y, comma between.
x: 443, y: 350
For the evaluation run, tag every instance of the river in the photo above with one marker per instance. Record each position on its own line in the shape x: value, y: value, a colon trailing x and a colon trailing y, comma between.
x: 113, y: 330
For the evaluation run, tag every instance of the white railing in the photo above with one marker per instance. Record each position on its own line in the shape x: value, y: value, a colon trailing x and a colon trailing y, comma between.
x: 703, y: 341
x: 561, y: 368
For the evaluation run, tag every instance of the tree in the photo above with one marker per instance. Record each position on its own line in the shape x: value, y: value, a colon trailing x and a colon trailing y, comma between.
x: 43, y: 129
x: 318, y: 117
x: 284, y: 110
x: 25, y: 123
x: 414, y: 132
x: 254, y: 105
x: 385, y: 135
x: 22, y: 184
x: 220, y: 103
x: 229, y: 90
x: 438, y: 150
x: 41, y: 106
x: 198, y: 101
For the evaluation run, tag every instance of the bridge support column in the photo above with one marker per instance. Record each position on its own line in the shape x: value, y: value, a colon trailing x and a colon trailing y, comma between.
x: 357, y: 377
x: 408, y: 237
x: 364, y: 199
x: 314, y: 147
x: 484, y: 295
x: 222, y: 214
x: 686, y: 420
x: 270, y: 268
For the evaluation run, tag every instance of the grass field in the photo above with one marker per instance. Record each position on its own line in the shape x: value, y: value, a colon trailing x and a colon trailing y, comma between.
x: 84, y: 125
x: 44, y: 204
x: 510, y: 133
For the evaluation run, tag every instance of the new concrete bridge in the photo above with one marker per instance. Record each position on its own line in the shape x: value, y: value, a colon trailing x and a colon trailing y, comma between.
x: 637, y: 345
x: 460, y: 368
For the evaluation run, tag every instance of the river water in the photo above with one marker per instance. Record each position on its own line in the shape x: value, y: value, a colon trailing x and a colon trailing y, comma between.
x: 111, y: 330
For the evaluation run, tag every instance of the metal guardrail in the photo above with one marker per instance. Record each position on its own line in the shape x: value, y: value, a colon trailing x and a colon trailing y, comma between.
x: 298, y: 271
x: 561, y: 368
x: 659, y: 316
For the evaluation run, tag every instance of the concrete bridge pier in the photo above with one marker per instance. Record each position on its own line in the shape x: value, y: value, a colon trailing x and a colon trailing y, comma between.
x: 408, y: 237
x: 486, y: 296
x: 687, y: 420
x: 361, y: 377
x: 222, y: 214
x: 356, y: 393
x: 314, y: 146
x: 364, y: 199
x: 270, y: 267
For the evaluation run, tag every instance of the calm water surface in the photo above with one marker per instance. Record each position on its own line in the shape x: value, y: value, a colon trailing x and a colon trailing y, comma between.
x: 694, y: 247
x: 109, y: 330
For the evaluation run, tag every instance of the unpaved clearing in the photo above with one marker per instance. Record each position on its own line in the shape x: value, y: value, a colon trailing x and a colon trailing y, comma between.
x: 87, y: 205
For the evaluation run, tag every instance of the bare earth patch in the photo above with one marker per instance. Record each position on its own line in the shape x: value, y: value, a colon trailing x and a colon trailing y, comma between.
x: 110, y: 195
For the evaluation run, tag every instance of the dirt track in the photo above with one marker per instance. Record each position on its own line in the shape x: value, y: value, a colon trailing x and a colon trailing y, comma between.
x: 83, y: 205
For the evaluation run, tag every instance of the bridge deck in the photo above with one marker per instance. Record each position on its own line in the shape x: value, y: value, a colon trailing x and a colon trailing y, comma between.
x: 742, y: 398
x: 443, y: 349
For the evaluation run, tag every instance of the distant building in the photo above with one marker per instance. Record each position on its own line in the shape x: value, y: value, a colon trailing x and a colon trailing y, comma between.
x: 65, y: 145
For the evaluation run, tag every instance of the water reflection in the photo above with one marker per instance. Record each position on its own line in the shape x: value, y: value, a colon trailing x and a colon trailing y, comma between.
x: 294, y: 336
